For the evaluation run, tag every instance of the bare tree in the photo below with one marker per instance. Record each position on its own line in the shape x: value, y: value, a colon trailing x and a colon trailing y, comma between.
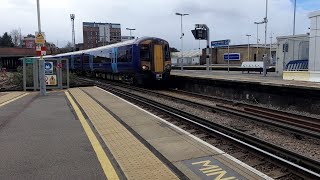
x: 69, y: 46
x: 15, y: 35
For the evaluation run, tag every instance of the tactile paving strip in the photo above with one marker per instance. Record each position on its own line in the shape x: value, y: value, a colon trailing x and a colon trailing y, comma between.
x: 10, y: 96
x: 136, y: 161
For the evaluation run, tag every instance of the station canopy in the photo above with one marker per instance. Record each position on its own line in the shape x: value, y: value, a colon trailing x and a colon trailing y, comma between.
x: 191, y: 53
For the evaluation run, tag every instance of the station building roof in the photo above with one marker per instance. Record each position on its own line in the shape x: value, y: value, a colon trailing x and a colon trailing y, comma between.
x: 191, y: 53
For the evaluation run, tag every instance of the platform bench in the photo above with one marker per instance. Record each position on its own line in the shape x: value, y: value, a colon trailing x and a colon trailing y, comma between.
x: 252, y: 66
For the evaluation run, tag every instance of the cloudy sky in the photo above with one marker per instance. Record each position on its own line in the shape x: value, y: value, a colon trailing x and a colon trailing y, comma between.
x: 227, y: 19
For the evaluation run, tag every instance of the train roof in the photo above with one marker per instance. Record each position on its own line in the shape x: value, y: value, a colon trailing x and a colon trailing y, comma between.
x: 102, y: 48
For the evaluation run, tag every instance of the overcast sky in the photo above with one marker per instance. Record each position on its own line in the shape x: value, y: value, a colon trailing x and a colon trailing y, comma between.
x: 227, y: 19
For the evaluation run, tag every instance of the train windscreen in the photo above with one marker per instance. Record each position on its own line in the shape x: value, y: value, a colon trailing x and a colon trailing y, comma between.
x: 145, y: 52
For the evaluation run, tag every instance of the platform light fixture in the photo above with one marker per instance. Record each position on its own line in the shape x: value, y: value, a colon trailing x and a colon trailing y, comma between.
x: 130, y: 29
x: 181, y: 37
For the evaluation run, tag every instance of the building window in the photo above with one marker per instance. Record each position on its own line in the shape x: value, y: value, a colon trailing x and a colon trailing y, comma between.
x: 285, y: 47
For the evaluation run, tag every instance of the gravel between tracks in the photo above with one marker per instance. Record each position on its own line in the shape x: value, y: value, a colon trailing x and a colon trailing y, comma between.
x: 305, y: 146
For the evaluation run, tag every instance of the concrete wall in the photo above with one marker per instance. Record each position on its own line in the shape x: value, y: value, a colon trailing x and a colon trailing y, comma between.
x: 282, y: 97
x: 243, y: 54
x: 314, y: 61
x: 217, y: 56
x: 298, y: 49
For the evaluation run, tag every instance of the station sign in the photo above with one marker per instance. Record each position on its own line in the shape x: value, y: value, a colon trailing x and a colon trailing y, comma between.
x: 29, y: 61
x: 40, y: 44
x: 48, y: 67
x: 51, y: 80
x: 40, y: 38
x: 225, y: 42
x: 231, y: 56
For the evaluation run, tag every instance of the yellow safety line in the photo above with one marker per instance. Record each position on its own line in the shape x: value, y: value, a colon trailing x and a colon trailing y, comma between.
x: 11, y: 100
x: 106, y: 165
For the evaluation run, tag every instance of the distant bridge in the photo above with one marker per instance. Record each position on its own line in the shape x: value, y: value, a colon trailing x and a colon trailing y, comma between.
x: 9, y: 56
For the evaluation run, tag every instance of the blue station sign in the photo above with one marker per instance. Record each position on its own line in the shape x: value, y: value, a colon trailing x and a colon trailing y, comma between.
x: 225, y: 42
x: 231, y: 56
x: 48, y: 67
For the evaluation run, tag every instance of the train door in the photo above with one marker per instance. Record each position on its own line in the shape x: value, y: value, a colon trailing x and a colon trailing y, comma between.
x: 158, y: 58
x: 114, y: 60
x: 90, y: 62
x: 72, y: 62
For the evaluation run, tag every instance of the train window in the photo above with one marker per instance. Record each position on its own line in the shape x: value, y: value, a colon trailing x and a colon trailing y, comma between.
x: 129, y: 54
x: 77, y: 60
x: 145, y: 52
x: 122, y: 56
x: 99, y: 59
x: 167, y: 51
x: 85, y: 59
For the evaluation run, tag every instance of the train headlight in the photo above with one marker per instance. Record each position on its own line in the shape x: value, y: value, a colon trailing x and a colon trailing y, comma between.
x: 145, y: 68
x: 168, y: 67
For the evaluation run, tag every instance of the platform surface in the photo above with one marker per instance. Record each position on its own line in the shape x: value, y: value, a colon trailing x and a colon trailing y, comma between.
x: 88, y: 133
x: 254, y: 77
x: 41, y: 139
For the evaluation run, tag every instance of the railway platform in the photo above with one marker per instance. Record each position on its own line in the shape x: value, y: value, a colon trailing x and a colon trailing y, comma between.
x: 253, y: 78
x: 271, y: 91
x: 89, y: 133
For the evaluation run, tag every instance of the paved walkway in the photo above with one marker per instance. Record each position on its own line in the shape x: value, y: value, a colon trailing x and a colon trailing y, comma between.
x: 44, y: 141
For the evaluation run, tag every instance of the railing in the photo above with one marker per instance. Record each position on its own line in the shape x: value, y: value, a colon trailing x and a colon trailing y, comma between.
x: 298, y: 65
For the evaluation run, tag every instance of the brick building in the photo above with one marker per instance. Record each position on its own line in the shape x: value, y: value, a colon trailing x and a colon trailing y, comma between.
x: 99, y: 34
x: 219, y: 54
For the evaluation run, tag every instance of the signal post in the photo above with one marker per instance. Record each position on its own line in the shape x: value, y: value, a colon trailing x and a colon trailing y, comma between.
x: 202, y: 32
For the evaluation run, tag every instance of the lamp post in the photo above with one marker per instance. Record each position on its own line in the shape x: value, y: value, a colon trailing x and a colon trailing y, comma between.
x: 257, y: 23
x: 294, y: 17
x: 265, y: 41
x: 130, y: 29
x: 72, y: 17
x: 182, y: 34
x: 248, y: 35
x: 41, y: 60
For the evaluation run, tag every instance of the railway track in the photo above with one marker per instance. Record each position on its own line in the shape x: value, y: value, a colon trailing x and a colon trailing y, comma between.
x: 295, y: 122
x: 298, y: 124
x: 300, y: 166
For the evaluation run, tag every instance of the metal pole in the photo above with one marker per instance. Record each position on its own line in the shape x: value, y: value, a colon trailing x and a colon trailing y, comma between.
x: 265, y: 43
x: 294, y: 17
x: 270, y: 55
x: 248, y: 46
x: 181, y: 45
x: 257, y: 56
x: 199, y: 52
x: 228, y: 57
x: 24, y: 74
x: 72, y: 16
x: 38, y: 11
x: 41, y: 60
x: 208, y: 50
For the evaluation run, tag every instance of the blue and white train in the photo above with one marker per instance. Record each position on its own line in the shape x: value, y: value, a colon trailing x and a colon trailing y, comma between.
x: 135, y: 61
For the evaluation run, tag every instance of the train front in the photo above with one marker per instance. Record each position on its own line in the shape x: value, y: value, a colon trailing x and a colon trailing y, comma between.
x: 155, y: 60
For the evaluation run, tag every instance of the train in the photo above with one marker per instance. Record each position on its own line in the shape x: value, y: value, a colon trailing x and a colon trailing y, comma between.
x: 137, y: 61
